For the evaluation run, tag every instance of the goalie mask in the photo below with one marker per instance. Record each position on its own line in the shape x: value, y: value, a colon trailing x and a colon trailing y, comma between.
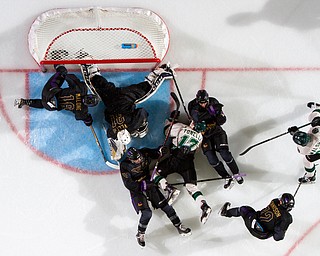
x: 90, y: 100
x: 202, y: 97
x: 287, y: 201
x: 124, y: 137
x: 301, y: 138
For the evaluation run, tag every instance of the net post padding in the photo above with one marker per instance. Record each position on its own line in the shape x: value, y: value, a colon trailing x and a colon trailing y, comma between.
x: 116, y: 37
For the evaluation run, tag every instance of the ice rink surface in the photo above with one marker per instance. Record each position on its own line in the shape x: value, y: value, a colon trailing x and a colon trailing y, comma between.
x: 259, y: 58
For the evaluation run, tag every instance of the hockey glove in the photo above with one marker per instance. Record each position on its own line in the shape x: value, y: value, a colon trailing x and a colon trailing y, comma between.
x: 315, y: 121
x: 147, y: 185
x: 292, y: 130
x: 164, y: 150
x: 221, y: 119
x: 88, y: 121
x: 200, y: 127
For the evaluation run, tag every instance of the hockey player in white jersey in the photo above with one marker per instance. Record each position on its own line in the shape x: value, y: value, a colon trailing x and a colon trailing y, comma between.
x: 309, y: 143
x: 180, y: 159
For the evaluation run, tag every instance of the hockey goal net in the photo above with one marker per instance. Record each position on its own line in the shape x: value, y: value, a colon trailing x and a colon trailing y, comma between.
x: 128, y: 36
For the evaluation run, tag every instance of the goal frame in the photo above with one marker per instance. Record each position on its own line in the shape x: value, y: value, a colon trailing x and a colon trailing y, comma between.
x: 105, y: 20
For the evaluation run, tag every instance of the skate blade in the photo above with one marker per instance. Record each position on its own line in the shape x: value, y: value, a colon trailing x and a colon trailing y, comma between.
x: 205, y: 219
x: 185, y: 234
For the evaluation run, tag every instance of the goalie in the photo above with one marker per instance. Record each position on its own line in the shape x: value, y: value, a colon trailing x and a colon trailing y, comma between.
x: 124, y: 118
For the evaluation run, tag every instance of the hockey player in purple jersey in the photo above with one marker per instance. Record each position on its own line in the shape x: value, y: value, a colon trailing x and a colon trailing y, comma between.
x: 308, y: 143
x: 272, y: 221
x: 75, y: 98
x: 208, y: 117
x: 135, y: 173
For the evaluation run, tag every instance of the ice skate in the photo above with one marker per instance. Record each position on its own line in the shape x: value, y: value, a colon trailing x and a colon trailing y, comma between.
x: 89, y: 71
x: 307, y: 180
x: 224, y: 208
x: 19, y: 103
x: 313, y: 105
x: 143, y: 129
x: 229, y: 183
x: 238, y: 178
x: 155, y: 79
x: 206, y: 211
x: 140, y: 239
x: 173, y: 194
x: 183, y: 230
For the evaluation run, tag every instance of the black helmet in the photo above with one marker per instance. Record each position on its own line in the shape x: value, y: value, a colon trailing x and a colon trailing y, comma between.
x: 202, y: 96
x: 301, y: 138
x: 133, y: 153
x: 287, y: 201
x: 90, y: 100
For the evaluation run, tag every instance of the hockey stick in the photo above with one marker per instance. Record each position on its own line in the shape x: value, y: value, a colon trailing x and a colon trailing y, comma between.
x: 211, y: 179
x: 102, y: 153
x: 294, y: 195
x: 249, y: 148
x: 204, y: 180
x: 180, y: 95
x: 177, y: 102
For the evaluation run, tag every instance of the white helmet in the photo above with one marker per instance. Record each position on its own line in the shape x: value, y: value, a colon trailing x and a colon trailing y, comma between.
x: 124, y: 137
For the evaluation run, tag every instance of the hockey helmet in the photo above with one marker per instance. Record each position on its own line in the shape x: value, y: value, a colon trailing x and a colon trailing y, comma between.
x: 287, y: 201
x: 90, y: 100
x: 133, y: 154
x: 124, y: 136
x: 202, y: 96
x: 301, y: 138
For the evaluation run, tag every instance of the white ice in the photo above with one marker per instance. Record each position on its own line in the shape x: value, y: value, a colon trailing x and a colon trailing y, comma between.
x: 262, y: 62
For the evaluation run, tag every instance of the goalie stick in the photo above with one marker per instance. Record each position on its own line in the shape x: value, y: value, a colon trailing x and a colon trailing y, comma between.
x: 251, y: 147
x: 177, y: 102
x: 101, y: 151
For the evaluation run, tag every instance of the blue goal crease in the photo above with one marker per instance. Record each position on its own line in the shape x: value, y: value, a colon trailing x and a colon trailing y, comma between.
x: 61, y: 137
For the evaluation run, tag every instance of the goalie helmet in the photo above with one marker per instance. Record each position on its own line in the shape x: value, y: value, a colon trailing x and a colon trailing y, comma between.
x: 124, y: 137
x: 133, y: 154
x: 90, y: 100
x: 301, y: 138
x: 202, y: 96
x: 287, y: 201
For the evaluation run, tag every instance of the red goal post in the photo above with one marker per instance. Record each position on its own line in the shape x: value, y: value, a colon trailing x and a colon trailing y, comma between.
x: 129, y: 37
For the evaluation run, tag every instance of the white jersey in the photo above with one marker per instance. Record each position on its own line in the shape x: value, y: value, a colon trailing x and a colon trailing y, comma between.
x: 313, y: 147
x: 183, y: 135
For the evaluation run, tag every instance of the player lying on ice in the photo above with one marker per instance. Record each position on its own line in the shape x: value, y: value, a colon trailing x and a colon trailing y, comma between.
x: 272, y: 221
x: 75, y: 98
x: 122, y: 115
